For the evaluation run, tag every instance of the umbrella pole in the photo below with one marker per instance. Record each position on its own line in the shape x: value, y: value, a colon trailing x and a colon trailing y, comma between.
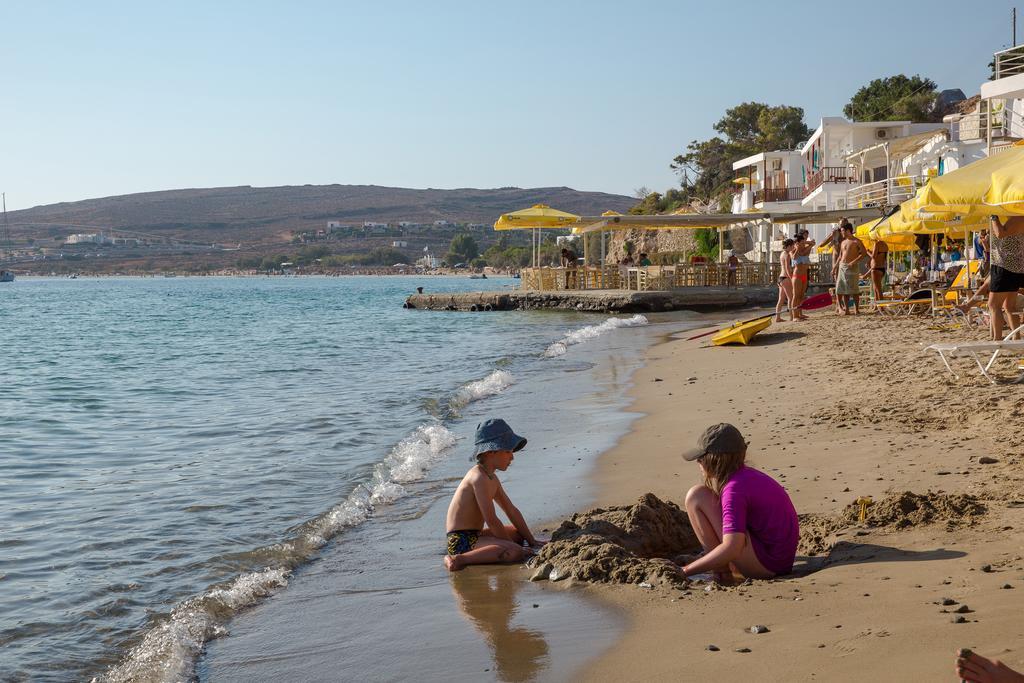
x: 603, y: 252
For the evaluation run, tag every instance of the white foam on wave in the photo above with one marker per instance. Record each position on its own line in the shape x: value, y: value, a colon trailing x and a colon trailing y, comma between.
x: 494, y: 383
x: 560, y: 347
x: 168, y: 651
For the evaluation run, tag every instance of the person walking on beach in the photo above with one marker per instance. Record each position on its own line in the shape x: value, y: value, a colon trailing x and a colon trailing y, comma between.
x: 476, y: 535
x: 876, y: 267
x: 1006, y: 272
x: 847, y: 282
x: 743, y: 518
x: 785, y: 281
x: 801, y: 268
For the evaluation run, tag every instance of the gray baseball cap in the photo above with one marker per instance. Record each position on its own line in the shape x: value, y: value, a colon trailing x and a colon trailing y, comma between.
x: 719, y: 438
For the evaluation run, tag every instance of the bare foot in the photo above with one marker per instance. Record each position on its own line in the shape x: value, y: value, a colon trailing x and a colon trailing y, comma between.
x: 452, y: 563
x: 779, y: 319
x: 975, y: 668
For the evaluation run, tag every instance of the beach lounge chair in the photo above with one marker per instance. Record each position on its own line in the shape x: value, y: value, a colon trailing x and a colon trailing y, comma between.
x: 977, y: 350
x: 919, y: 301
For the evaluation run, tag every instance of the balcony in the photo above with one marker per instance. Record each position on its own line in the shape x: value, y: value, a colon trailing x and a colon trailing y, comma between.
x: 779, y: 194
x: 830, y: 174
x: 1006, y: 124
x: 887, y: 192
x: 1009, y: 62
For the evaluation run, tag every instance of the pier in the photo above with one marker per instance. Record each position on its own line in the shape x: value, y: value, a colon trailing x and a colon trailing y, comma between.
x: 599, y: 301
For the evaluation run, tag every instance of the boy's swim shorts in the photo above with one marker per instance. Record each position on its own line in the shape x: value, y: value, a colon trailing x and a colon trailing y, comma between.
x: 462, y: 541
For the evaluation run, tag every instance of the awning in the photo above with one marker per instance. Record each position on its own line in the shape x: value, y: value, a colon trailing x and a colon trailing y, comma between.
x: 901, y: 147
x: 694, y: 221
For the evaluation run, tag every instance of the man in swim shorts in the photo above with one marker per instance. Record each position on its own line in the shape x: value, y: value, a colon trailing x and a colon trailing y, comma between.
x: 851, y: 251
x: 476, y: 535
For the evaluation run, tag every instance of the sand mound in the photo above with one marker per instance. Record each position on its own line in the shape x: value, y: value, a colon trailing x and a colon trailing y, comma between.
x: 900, y: 510
x: 621, y: 544
x: 895, y: 511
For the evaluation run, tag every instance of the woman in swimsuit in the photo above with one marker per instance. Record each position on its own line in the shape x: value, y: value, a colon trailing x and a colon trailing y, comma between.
x: 1006, y: 273
x: 876, y: 267
x: 801, y: 267
x: 785, y: 281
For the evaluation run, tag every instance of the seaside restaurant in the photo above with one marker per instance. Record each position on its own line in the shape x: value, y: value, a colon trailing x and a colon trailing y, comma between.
x: 596, y: 272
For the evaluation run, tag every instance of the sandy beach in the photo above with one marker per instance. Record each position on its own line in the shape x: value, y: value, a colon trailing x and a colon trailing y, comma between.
x: 835, y: 409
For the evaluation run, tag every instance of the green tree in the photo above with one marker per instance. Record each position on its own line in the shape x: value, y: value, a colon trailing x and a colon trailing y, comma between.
x: 896, y: 98
x: 707, y: 242
x: 463, y: 249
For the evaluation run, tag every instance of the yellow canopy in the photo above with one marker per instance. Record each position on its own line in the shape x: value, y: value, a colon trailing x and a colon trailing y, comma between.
x: 948, y: 224
x: 895, y: 242
x: 537, y: 216
x: 994, y: 185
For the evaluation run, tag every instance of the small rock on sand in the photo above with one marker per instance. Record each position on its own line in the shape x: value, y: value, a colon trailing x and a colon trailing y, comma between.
x: 959, y: 619
x: 1006, y: 586
x: 986, y: 460
x: 963, y: 609
x: 742, y: 649
x: 759, y: 628
x: 987, y: 568
x: 712, y: 648
x: 948, y: 601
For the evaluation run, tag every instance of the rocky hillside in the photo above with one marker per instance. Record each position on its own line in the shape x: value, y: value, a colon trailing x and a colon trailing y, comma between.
x: 266, y: 215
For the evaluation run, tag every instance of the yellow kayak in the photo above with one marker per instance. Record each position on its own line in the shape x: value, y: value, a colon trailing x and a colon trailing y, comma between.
x: 741, y: 333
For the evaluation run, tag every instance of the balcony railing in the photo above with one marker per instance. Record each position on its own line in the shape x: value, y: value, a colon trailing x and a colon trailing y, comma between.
x: 1006, y: 124
x: 779, y: 194
x: 885, y: 192
x: 830, y: 174
x: 1010, y: 62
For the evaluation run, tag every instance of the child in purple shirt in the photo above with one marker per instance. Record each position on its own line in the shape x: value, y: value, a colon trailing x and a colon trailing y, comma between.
x: 743, y: 518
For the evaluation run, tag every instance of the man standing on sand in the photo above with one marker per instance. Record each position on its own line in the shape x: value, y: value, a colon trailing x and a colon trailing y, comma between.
x: 851, y: 251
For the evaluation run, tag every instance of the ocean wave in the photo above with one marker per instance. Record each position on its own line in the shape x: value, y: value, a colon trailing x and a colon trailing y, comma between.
x: 168, y: 651
x: 589, y: 332
x: 494, y: 383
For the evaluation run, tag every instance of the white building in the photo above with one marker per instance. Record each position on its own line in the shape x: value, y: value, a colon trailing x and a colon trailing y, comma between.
x: 1000, y: 118
x: 399, y: 244
x: 844, y: 165
x: 81, y: 238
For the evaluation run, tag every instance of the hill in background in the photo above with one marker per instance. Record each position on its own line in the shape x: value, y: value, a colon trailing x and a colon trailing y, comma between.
x: 264, y: 216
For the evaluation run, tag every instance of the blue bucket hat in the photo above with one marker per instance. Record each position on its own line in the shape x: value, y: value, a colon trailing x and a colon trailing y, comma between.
x: 496, y: 435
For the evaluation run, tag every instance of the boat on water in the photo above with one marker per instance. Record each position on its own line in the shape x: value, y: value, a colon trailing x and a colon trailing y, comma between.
x: 741, y: 333
x: 6, y: 276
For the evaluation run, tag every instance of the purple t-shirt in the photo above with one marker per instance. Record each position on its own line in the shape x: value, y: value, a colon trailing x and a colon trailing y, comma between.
x: 755, y: 504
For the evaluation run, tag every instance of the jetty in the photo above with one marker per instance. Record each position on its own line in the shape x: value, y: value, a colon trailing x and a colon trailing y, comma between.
x: 598, y: 301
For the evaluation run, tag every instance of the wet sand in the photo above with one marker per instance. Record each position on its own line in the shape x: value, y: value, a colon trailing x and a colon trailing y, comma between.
x: 834, y: 409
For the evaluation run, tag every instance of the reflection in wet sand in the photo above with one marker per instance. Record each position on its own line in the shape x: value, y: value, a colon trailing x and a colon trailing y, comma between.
x: 487, y: 597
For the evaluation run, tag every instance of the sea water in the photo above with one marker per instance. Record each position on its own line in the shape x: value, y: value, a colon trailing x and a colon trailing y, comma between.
x: 174, y: 452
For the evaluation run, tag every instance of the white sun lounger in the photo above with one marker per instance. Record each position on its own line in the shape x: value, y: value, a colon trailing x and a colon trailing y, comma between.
x: 977, y: 350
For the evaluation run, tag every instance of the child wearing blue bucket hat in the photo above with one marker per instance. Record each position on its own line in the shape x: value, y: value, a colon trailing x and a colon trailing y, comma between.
x: 476, y: 535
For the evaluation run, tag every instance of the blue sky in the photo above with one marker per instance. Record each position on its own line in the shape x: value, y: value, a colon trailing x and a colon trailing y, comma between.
x: 108, y: 98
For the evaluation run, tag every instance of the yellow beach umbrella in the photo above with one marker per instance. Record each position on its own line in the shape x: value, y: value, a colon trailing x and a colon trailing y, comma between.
x: 537, y: 216
x: 994, y: 185
x: 534, y: 218
x: 869, y: 234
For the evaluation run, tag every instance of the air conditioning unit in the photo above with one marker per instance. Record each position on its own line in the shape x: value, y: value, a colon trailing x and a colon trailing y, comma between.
x: 882, y: 133
x: 776, y: 164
